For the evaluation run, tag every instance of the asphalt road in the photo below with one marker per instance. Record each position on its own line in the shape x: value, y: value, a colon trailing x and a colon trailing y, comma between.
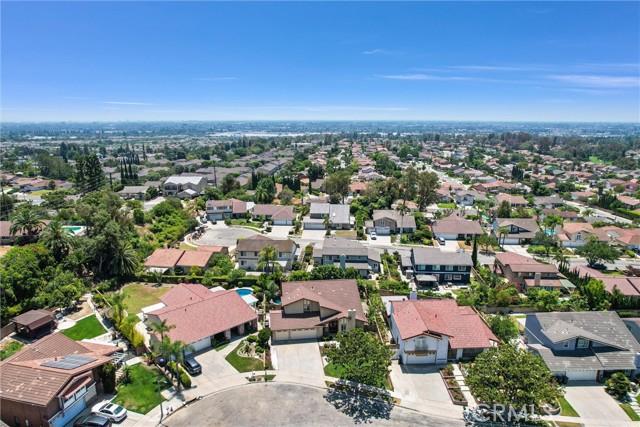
x: 280, y: 404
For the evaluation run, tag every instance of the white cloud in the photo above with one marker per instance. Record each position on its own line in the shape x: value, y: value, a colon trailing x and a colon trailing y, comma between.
x: 597, y: 80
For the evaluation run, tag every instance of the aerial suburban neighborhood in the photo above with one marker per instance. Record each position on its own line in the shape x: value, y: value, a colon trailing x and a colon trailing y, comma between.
x: 320, y: 214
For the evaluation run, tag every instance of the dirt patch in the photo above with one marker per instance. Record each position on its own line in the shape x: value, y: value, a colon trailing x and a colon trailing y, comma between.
x: 83, y: 310
x: 4, y: 250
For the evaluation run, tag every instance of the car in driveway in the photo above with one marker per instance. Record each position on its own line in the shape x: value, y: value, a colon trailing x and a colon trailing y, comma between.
x: 92, y: 421
x: 373, y: 235
x: 192, y: 366
x: 442, y: 241
x: 115, y: 413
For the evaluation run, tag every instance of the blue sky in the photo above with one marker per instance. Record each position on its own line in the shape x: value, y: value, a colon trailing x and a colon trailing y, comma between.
x: 533, y: 61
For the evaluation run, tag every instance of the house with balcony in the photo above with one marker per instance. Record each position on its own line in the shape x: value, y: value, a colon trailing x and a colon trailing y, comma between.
x: 51, y: 381
x: 248, y: 252
x: 585, y: 345
x: 432, y: 267
x: 433, y: 331
x: 345, y: 253
x: 184, y: 186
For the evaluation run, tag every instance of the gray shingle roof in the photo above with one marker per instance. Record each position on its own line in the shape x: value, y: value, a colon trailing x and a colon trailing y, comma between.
x: 434, y: 256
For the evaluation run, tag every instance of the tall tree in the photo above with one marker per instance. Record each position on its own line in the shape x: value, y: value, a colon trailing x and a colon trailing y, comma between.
x: 26, y: 220
x: 504, y: 210
x: 595, y: 251
x: 267, y: 259
x: 337, y: 184
x: 57, y: 240
x: 161, y: 328
x: 427, y: 187
x: 474, y: 252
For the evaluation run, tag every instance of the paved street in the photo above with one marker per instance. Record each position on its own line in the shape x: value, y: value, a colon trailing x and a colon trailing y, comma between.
x: 278, y: 404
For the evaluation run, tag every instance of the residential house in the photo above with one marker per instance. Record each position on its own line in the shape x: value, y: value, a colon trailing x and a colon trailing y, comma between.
x: 34, y: 324
x: 528, y: 273
x: 431, y: 331
x: 389, y: 221
x: 339, y: 217
x: 514, y: 201
x: 585, y: 345
x: 548, y: 202
x: 629, y: 203
x: 280, y: 215
x: 576, y: 234
x: 50, y: 382
x: 248, y: 252
x: 184, y: 186
x: 468, y: 198
x: 568, y: 216
x: 315, y: 308
x: 136, y: 192
x: 345, y: 253
x: 163, y: 260
x: 456, y: 228
x: 223, y: 209
x: 201, y: 315
x: 431, y: 266
x: 520, y: 230
x: 493, y: 187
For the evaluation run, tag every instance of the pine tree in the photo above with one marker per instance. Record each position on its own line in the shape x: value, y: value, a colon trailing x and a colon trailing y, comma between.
x: 474, y: 253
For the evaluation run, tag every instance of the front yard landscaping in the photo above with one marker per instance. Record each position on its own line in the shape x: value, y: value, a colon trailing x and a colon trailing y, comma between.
x: 630, y: 412
x: 89, y: 327
x: 566, y: 409
x: 139, y: 296
x: 447, y: 205
x: 332, y: 370
x: 141, y: 394
x: 244, y: 364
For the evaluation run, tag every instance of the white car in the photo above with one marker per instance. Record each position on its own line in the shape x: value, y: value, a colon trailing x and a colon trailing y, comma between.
x: 373, y: 235
x: 110, y: 410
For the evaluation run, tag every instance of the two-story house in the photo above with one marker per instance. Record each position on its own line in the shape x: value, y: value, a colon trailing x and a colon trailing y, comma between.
x: 338, y: 215
x: 315, y: 308
x: 433, y: 331
x: 49, y: 382
x: 526, y: 273
x: 468, y: 198
x: 223, y: 209
x: 184, y: 186
x: 585, y: 345
x: 431, y: 266
x: 248, y: 252
x: 388, y: 221
x: 346, y: 253
x: 520, y: 230
x: 576, y: 234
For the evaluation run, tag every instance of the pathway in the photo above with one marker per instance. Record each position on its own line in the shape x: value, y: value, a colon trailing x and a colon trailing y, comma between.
x: 457, y: 373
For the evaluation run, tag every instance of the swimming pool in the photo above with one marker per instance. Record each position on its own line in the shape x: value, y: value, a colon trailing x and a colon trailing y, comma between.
x: 244, y: 291
x: 72, y: 228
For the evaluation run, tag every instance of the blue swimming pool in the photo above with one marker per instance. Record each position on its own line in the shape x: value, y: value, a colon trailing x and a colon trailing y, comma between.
x: 244, y: 291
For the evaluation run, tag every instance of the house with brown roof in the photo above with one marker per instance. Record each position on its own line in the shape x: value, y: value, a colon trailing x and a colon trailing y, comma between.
x: 34, y: 323
x: 315, y: 308
x: 576, y: 234
x: 200, y: 314
x: 629, y: 202
x: 514, y: 201
x: 280, y: 215
x: 433, y: 331
x: 528, y: 273
x: 163, y: 260
x: 248, y: 251
x: 387, y: 221
x: 520, y: 230
x: 456, y: 228
x: 48, y: 383
x: 223, y: 209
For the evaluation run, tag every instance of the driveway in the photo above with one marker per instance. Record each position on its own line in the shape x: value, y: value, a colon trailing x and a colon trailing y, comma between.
x: 416, y: 383
x: 280, y: 231
x: 450, y: 246
x: 313, y: 235
x: 221, y: 235
x: 590, y: 400
x: 518, y: 249
x: 301, y: 356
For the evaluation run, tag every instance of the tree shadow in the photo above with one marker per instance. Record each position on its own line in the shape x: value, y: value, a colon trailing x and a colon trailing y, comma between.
x: 361, y: 407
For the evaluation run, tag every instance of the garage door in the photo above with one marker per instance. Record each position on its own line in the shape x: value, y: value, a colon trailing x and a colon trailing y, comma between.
x: 282, y: 335
x: 581, y: 375
x: 201, y: 344
x: 383, y: 231
x: 303, y: 334
x: 314, y: 226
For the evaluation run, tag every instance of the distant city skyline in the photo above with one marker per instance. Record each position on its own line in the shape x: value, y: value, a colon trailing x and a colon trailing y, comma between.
x: 148, y: 61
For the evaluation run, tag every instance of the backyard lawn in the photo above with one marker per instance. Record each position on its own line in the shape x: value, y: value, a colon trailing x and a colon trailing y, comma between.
x: 141, y: 394
x: 447, y: 205
x: 244, y: 364
x: 566, y: 409
x: 140, y: 296
x: 89, y: 327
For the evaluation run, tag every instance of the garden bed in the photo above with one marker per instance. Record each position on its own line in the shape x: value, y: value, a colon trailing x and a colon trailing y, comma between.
x: 244, y: 364
x: 457, y: 397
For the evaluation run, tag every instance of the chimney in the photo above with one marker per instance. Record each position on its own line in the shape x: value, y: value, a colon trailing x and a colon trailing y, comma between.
x: 536, y: 280
x: 351, y: 319
x: 343, y: 261
x: 413, y: 295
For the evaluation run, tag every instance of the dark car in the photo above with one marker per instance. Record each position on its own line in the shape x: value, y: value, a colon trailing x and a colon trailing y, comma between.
x: 192, y: 366
x: 92, y: 421
x: 599, y: 266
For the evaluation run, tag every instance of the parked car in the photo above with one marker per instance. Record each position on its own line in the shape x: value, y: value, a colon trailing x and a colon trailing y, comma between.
x: 373, y: 235
x: 110, y: 410
x: 93, y: 421
x: 192, y: 366
x: 441, y: 240
x: 599, y: 266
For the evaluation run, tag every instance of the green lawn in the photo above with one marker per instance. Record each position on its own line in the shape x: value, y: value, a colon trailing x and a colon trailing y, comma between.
x: 89, y: 327
x: 140, y: 296
x: 594, y: 159
x: 221, y: 345
x: 244, y: 364
x: 40, y: 192
x: 10, y: 349
x: 141, y: 394
x: 332, y: 370
x: 566, y: 408
x: 630, y: 412
x: 568, y: 424
x: 447, y: 205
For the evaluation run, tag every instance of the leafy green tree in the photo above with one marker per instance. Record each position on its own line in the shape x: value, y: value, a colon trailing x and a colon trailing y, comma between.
x: 329, y: 272
x: 504, y: 210
x: 337, y: 184
x: 299, y: 276
x: 62, y: 291
x: 551, y: 221
x: 474, y: 252
x: 427, y: 187
x: 229, y: 183
x: 546, y: 241
x: 543, y: 300
x: 138, y: 216
x: 595, y: 295
x: 6, y: 205
x: 362, y: 357
x: 286, y: 196
x: 118, y: 308
x: 504, y: 327
x: 57, y: 240
x: 595, y: 251
x: 125, y: 260
x: 487, y: 242
x: 235, y: 275
x: 510, y: 376
x: 618, y: 385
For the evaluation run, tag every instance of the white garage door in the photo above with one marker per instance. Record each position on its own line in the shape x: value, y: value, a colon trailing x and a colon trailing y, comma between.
x: 581, y: 375
x: 282, y: 335
x: 383, y: 231
x: 201, y: 344
x: 303, y: 334
x: 314, y: 226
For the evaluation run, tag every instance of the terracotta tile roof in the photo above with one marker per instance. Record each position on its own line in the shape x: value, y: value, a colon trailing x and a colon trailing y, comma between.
x: 624, y: 285
x: 524, y: 264
x: 462, y: 325
x: 195, y: 258
x: 164, y: 258
x: 214, y: 249
x: 198, y: 313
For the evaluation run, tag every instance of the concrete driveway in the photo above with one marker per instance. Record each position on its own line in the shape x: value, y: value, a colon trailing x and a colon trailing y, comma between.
x: 280, y: 231
x: 450, y: 246
x: 313, y: 235
x: 302, y: 356
x: 213, y: 365
x: 518, y: 249
x: 590, y: 400
x: 222, y: 235
x: 420, y: 382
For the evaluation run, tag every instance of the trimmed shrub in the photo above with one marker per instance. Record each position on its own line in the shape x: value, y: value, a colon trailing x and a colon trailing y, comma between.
x: 185, y: 380
x: 264, y: 335
x: 252, y: 338
x: 108, y: 376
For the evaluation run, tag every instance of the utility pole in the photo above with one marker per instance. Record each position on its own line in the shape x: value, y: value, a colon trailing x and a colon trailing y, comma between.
x: 111, y: 180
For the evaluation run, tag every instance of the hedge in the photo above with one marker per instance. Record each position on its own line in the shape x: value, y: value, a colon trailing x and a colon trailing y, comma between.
x: 247, y: 281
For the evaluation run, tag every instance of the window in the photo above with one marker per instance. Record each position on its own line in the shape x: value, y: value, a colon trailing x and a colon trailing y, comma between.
x: 582, y: 343
x: 421, y: 267
x: 462, y: 268
x: 579, y: 236
x: 421, y: 344
x: 448, y: 267
x: 241, y: 262
x: 457, y: 277
x: 343, y: 327
x: 242, y: 253
x: 16, y: 420
x: 447, y: 277
x: 565, y: 344
x: 436, y: 267
x: 306, y: 306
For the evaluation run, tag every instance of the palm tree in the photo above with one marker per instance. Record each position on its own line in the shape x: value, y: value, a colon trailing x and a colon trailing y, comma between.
x: 177, y: 349
x: 562, y: 260
x: 125, y: 260
x: 503, y: 232
x: 327, y: 224
x: 27, y: 221
x: 403, y: 209
x: 588, y: 212
x: 261, y: 195
x: 267, y: 259
x: 119, y: 307
x: 161, y: 328
x: 57, y: 240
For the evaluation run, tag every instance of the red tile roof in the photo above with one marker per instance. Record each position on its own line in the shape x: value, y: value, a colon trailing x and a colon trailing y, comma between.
x: 164, y: 258
x: 462, y: 325
x: 195, y: 258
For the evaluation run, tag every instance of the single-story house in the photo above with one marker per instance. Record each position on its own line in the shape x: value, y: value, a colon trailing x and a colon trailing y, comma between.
x: 433, y: 331
x: 280, y: 215
x: 514, y: 201
x: 137, y: 192
x: 456, y: 228
x: 164, y: 259
x: 339, y: 216
x: 315, y: 308
x: 200, y: 314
